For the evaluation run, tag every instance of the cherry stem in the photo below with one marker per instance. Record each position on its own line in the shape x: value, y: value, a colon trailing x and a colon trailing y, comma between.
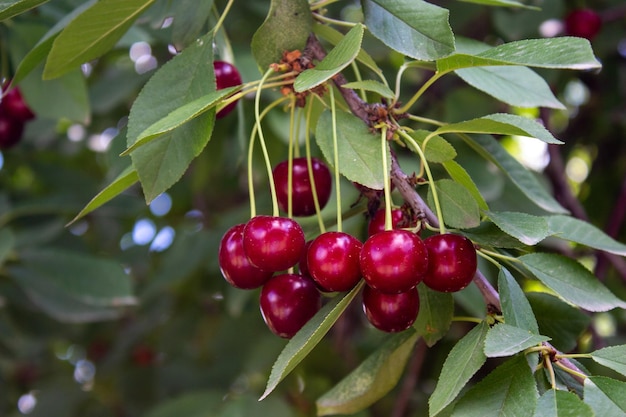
x: 336, y: 157
x: 290, y: 160
x: 580, y: 377
x: 419, y: 92
x: 386, y: 183
x: 223, y: 15
x: 307, y: 145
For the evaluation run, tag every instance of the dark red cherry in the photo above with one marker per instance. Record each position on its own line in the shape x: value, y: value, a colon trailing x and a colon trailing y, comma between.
x: 584, y: 23
x: 301, y: 185
x: 11, y: 131
x: 235, y: 265
x: 452, y: 262
x: 226, y: 75
x: 288, y: 302
x: 333, y: 261
x: 14, y: 105
x: 391, y: 312
x: 377, y: 222
x: 394, y: 261
x: 273, y: 243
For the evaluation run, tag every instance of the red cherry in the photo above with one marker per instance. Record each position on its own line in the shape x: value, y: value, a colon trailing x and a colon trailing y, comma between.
x: 288, y: 302
x: 273, y: 243
x: 391, y: 312
x: 584, y: 23
x: 377, y: 222
x: 452, y: 262
x: 226, y: 75
x: 394, y: 261
x: 302, y: 188
x: 235, y: 265
x: 11, y: 131
x: 143, y: 355
x: 333, y: 261
x: 14, y: 105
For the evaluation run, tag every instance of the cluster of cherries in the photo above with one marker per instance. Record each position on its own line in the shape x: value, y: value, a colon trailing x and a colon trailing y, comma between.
x: 392, y: 262
x: 14, y: 113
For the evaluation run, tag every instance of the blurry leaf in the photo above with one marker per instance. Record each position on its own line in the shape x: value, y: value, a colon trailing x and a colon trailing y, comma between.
x: 559, y: 403
x: 190, y: 16
x: 286, y: 28
x: 579, y: 231
x: 517, y: 86
x: 91, y: 34
x: 459, y: 208
x: 571, y: 281
x: 515, y: 306
x: 194, y: 404
x: 371, y: 85
x: 7, y: 242
x: 186, y: 77
x: 613, y: 357
x: 337, y: 59
x: 501, y: 124
x: 372, y: 379
x: 502, y: 3
x: 359, y: 150
x: 127, y: 178
x: 414, y: 28
x: 435, y: 314
x: 463, y: 361
x: 307, y: 338
x: 509, y: 390
x: 562, y: 322
x: 605, y: 396
x: 12, y: 8
x: 527, y: 228
x: 460, y: 175
x: 507, y: 340
x: 556, y: 53
x: 437, y: 148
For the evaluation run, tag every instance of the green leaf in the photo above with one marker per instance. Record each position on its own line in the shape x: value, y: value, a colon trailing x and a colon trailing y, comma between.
x: 527, y: 183
x: 303, y: 342
x: 571, y: 281
x: 562, y: 322
x: 501, y: 124
x: 579, y: 231
x: 605, y: 396
x: 559, y: 403
x: 123, y: 181
x: 186, y: 77
x: 613, y: 357
x: 286, y: 28
x: 458, y: 206
x: 435, y: 314
x: 372, y: 379
x: 190, y: 17
x: 7, y: 242
x: 359, y: 150
x: 515, y: 306
x: 517, y: 86
x: 371, y: 85
x: 526, y: 228
x: 555, y: 53
x: 11, y: 8
x: 463, y: 361
x: 460, y: 175
x: 337, y: 59
x: 502, y: 3
x: 507, y: 340
x: 180, y: 116
x: 490, y: 235
x: 194, y: 404
x: 414, y: 28
x: 437, y: 149
x: 91, y: 34
x: 509, y: 390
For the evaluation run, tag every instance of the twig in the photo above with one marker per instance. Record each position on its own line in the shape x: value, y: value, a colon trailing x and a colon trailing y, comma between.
x: 410, y: 380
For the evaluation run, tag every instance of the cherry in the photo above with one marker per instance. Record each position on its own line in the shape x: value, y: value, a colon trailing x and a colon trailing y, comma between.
x: 143, y: 355
x: 14, y: 105
x: 452, y: 262
x: 393, y: 261
x: 226, y: 75
x: 235, y: 265
x: 301, y: 186
x: 273, y: 243
x: 10, y: 131
x: 287, y: 302
x: 377, y: 222
x: 333, y: 261
x: 584, y: 23
x: 391, y: 312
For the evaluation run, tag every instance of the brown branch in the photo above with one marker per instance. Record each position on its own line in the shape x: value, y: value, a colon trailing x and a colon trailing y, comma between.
x: 410, y: 380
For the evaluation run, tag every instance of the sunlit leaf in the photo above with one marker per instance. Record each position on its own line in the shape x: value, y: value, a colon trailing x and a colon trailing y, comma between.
x: 579, y: 231
x: 527, y: 228
x: 507, y: 340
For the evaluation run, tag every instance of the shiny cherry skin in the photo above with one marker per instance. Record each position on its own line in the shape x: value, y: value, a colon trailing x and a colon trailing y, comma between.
x: 302, y: 189
x: 235, y: 265
x: 333, y: 261
x: 273, y: 243
x: 14, y: 105
x: 287, y: 302
x: 452, y: 262
x: 377, y: 222
x: 226, y: 75
x: 11, y: 131
x: 584, y: 23
x: 391, y: 312
x: 393, y: 261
